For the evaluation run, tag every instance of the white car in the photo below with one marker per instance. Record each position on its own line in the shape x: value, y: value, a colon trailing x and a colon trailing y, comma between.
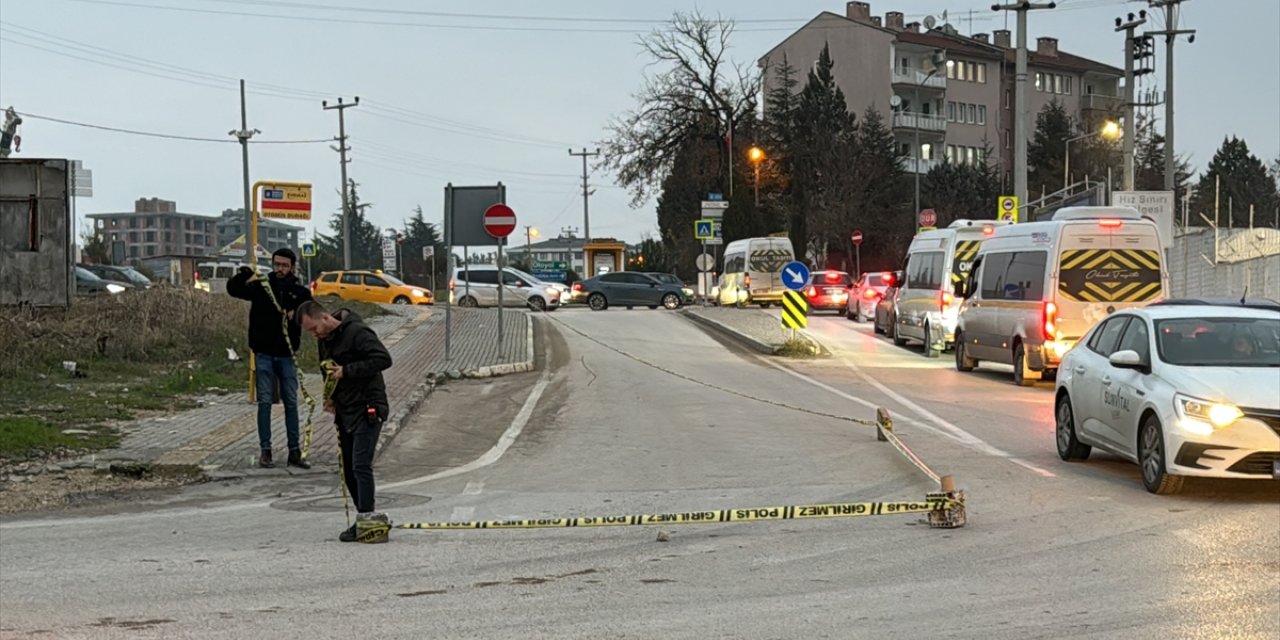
x: 1181, y: 387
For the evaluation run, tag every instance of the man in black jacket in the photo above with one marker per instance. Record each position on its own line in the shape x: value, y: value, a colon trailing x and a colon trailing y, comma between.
x: 273, y: 354
x: 358, y: 403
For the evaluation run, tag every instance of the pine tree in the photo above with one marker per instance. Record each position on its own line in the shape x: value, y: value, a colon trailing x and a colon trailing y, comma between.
x: 1047, y: 150
x: 1245, y: 181
x: 366, y: 238
x: 823, y: 151
x: 1148, y: 161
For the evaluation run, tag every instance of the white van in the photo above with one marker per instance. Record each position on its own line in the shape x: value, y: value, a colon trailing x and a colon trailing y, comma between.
x: 937, y: 261
x: 753, y: 271
x: 1039, y: 286
x: 212, y: 277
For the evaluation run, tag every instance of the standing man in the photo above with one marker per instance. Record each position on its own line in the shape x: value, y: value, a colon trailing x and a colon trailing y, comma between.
x: 274, y: 368
x: 353, y: 358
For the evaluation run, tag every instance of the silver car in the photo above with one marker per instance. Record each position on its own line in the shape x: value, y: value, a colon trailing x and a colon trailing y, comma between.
x: 477, y: 286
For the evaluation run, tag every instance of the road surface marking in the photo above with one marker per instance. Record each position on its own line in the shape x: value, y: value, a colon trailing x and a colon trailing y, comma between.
x: 473, y: 488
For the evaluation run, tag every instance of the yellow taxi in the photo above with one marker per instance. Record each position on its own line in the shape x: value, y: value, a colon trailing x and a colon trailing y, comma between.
x: 369, y: 286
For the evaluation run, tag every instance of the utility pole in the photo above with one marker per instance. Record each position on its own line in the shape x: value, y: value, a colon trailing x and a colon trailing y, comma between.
x: 244, y: 133
x: 1170, y: 33
x: 342, y: 150
x: 1022, y: 114
x: 586, y: 217
x: 1130, y: 127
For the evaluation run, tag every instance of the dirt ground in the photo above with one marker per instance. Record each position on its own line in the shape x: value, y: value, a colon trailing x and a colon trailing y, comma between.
x: 57, y: 489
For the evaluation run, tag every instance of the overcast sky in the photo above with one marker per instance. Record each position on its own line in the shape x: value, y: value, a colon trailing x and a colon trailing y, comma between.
x: 470, y: 99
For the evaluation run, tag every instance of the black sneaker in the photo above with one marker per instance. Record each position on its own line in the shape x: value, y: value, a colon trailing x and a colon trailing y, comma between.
x: 349, y: 535
x: 296, y: 460
x: 264, y: 460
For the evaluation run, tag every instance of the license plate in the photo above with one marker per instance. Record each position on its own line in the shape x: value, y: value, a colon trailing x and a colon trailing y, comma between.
x: 832, y: 292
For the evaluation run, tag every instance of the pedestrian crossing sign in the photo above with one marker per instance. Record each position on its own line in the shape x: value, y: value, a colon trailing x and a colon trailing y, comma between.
x: 703, y: 229
x: 795, y: 310
x: 308, y: 249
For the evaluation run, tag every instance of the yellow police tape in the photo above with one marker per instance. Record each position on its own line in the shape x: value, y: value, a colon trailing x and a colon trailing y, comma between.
x: 793, y: 512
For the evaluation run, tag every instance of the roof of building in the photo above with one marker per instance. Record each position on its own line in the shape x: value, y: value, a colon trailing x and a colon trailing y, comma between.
x: 120, y: 214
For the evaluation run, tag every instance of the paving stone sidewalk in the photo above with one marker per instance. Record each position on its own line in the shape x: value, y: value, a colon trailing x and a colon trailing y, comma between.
x: 222, y: 433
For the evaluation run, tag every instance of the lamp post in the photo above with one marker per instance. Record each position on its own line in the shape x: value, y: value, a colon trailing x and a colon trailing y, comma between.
x: 939, y: 63
x: 1110, y: 130
x: 529, y: 234
x: 756, y: 155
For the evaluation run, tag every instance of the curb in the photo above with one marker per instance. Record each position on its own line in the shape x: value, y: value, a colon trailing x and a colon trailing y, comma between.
x: 749, y: 341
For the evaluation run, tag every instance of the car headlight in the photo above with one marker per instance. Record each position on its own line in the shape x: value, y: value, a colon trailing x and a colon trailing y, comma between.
x: 114, y: 288
x: 419, y: 293
x: 687, y: 291
x: 1218, y: 414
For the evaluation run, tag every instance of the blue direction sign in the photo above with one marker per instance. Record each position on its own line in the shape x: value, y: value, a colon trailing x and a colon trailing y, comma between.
x: 795, y: 275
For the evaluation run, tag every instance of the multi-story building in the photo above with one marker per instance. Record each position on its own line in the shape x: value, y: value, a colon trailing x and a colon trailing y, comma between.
x: 958, y: 111
x: 155, y: 227
x: 272, y: 234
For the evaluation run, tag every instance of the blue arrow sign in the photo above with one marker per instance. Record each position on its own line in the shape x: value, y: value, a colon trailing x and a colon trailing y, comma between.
x: 795, y: 275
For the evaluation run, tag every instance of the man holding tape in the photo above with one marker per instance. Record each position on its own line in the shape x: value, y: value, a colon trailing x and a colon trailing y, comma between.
x: 352, y: 359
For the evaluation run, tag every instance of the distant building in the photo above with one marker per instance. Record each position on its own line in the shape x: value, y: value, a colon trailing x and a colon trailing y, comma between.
x: 567, y: 249
x: 272, y: 234
x: 155, y: 227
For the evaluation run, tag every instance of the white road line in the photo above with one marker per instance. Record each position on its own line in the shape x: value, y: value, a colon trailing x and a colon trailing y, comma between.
x: 486, y: 390
x: 942, y: 428
x: 462, y: 514
x: 473, y: 488
x: 494, y: 454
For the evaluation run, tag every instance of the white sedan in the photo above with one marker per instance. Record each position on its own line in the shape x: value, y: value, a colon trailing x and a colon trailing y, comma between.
x: 1183, y: 388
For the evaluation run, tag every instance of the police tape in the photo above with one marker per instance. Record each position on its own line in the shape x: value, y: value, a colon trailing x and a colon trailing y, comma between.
x: 933, y: 503
x: 942, y: 519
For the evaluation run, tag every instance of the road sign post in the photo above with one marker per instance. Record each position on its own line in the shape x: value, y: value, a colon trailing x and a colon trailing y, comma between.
x: 499, y: 222
x: 795, y: 275
x: 1008, y: 209
x: 928, y: 218
x: 856, y: 237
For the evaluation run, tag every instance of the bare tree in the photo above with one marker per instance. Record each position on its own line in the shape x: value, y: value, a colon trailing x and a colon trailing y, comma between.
x: 696, y: 92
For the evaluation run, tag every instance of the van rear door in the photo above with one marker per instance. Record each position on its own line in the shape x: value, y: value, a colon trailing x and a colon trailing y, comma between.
x: 765, y: 259
x: 1104, y: 266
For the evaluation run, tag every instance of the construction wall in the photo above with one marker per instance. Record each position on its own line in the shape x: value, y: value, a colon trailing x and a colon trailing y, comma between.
x: 35, y: 233
x: 1244, y: 259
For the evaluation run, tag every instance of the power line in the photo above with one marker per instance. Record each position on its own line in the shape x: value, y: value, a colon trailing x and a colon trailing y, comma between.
x: 153, y: 134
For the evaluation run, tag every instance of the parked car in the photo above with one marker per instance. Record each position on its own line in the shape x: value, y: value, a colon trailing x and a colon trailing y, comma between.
x: 87, y: 283
x: 369, y: 286
x: 121, y: 274
x: 828, y: 291
x: 633, y: 289
x: 886, y: 318
x: 563, y: 288
x: 477, y: 286
x: 866, y: 293
x: 1183, y: 388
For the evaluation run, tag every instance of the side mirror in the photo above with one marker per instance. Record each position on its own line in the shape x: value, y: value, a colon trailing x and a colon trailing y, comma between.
x: 1127, y: 359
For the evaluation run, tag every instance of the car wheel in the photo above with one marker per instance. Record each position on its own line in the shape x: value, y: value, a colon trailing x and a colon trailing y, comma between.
x: 849, y: 313
x: 468, y: 301
x: 1151, y: 456
x: 653, y: 306
x: 1023, y: 376
x: 963, y: 361
x: 670, y: 301
x: 1069, y: 447
x: 764, y: 305
x: 929, y: 350
x: 401, y: 300
x: 537, y: 303
x: 597, y: 302
x: 893, y: 333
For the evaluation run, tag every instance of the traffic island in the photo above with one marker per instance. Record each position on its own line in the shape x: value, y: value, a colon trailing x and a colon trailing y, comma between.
x: 757, y: 330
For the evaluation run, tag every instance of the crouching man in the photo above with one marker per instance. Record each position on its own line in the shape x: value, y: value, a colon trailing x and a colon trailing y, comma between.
x: 352, y: 360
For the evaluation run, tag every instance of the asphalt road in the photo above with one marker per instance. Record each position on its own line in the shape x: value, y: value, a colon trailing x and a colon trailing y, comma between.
x: 637, y: 412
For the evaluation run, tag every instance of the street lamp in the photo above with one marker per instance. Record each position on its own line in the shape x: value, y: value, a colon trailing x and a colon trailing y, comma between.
x: 529, y: 234
x: 1110, y: 130
x: 939, y: 63
x: 756, y: 155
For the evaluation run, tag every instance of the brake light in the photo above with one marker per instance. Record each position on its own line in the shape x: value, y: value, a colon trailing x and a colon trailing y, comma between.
x: 1110, y: 223
x: 813, y: 291
x: 577, y: 286
x: 946, y: 299
x: 833, y: 277
x: 988, y: 229
x: 314, y: 284
x: 871, y: 294
x: 453, y: 284
x: 888, y: 280
x: 1050, y: 313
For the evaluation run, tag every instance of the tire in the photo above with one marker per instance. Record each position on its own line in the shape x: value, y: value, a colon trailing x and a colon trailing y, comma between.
x: 1022, y: 376
x: 670, y: 301
x: 893, y: 333
x: 1069, y: 446
x: 653, y: 306
x: 765, y: 305
x: 468, y: 301
x: 401, y: 300
x: 536, y: 303
x: 853, y: 317
x: 929, y: 350
x: 963, y: 361
x: 1151, y: 456
x: 597, y: 302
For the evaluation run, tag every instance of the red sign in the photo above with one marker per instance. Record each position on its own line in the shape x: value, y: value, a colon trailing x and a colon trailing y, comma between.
x: 857, y: 238
x: 499, y: 220
x: 928, y: 218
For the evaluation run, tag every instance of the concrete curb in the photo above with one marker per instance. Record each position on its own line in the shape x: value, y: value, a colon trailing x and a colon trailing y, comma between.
x: 738, y: 336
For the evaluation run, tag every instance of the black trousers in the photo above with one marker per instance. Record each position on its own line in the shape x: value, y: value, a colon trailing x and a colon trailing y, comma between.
x: 357, y: 445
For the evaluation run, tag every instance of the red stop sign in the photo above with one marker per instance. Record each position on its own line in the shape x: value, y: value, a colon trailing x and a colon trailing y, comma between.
x: 499, y: 220
x: 928, y: 218
x: 856, y: 237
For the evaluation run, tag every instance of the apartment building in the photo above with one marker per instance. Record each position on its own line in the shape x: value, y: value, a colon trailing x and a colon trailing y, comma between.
x: 272, y: 234
x: 957, y: 111
x: 155, y: 227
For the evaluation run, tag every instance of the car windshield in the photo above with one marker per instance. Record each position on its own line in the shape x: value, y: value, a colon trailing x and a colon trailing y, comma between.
x: 86, y: 274
x: 1219, y: 342
x: 135, y: 276
x: 393, y: 280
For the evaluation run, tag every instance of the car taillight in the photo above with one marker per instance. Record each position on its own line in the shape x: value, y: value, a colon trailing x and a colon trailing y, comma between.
x: 577, y: 286
x: 1050, y: 314
x: 746, y: 281
x: 988, y: 230
x: 871, y: 294
x: 1110, y: 223
x: 813, y: 291
x: 946, y: 299
x: 314, y: 283
x: 453, y: 284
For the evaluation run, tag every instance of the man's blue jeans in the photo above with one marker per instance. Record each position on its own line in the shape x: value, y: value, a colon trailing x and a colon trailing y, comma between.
x: 267, y: 370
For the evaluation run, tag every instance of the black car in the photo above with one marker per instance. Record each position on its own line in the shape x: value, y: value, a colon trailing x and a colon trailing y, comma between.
x: 87, y: 283
x: 633, y: 289
x: 123, y: 275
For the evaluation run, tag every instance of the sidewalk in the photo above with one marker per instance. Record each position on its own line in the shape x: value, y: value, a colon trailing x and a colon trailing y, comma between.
x: 222, y: 435
x: 754, y: 328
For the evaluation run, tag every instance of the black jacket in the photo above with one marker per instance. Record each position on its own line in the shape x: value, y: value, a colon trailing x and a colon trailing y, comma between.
x: 265, y: 334
x: 363, y: 358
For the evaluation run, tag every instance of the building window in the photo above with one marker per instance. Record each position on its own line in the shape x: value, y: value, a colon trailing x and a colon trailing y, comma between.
x: 982, y: 114
x: 972, y: 75
x: 951, y: 153
x: 151, y: 251
x: 973, y: 114
x: 951, y: 70
x: 982, y: 73
x: 1066, y: 85
x: 133, y: 251
x: 1008, y: 98
x: 968, y: 155
x: 951, y: 111
x: 1039, y: 81
x: 979, y: 153
x: 151, y: 236
x: 926, y: 151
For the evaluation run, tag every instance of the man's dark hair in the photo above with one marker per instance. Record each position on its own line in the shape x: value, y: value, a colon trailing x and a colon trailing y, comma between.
x: 311, y: 309
x: 287, y: 253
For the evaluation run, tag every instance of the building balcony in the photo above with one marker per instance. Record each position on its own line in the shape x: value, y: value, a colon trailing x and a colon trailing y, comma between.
x: 916, y: 78
x: 1099, y: 102
x: 925, y: 122
x: 919, y: 165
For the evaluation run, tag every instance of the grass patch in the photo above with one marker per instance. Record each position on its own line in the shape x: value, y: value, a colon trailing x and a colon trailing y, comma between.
x: 797, y: 348
x: 20, y: 434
